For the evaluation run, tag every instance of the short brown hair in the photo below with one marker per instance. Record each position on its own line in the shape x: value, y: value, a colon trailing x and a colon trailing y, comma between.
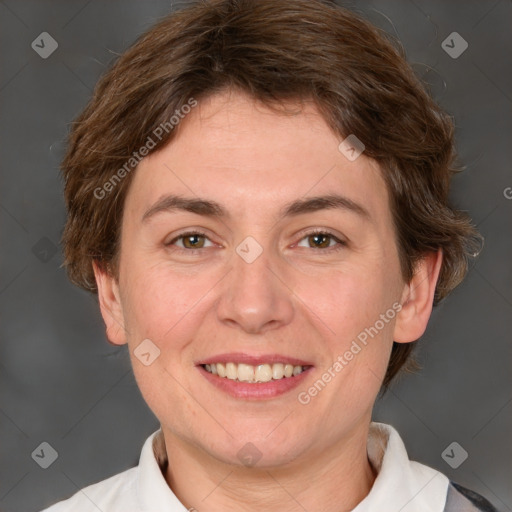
x: 275, y: 51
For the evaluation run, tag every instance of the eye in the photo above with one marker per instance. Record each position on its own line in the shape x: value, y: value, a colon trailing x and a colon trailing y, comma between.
x: 190, y: 240
x: 314, y: 240
x: 322, y: 240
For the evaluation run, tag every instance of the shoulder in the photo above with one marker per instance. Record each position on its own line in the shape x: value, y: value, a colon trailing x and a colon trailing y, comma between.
x: 460, y: 499
x: 117, y: 493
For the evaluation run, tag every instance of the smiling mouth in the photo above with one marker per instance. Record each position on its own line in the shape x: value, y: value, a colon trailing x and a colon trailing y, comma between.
x: 242, y: 372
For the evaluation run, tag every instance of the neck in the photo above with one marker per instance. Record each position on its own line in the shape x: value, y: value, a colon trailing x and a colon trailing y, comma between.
x: 334, y: 480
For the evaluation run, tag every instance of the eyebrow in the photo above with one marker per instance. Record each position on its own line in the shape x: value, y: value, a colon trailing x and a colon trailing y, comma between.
x: 171, y: 203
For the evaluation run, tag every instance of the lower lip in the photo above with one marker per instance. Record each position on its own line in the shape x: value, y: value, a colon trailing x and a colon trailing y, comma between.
x: 257, y: 390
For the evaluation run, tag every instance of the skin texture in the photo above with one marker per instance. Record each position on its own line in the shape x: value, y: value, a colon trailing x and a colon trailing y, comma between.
x: 295, y: 299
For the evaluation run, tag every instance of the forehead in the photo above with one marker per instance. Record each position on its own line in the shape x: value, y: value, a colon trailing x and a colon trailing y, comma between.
x: 241, y: 154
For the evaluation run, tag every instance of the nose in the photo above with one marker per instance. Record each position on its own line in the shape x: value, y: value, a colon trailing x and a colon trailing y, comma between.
x: 256, y: 296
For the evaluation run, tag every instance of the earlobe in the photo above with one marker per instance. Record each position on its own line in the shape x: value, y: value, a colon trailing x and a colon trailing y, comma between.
x: 418, y: 298
x: 110, y: 305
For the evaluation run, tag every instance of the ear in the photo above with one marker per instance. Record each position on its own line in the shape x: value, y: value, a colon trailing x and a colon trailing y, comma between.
x: 417, y: 299
x: 110, y: 305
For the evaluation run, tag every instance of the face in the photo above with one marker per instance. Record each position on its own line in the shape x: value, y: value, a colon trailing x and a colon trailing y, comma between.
x: 247, y: 274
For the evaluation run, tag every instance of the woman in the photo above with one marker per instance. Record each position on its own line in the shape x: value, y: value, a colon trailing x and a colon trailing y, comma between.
x: 258, y: 194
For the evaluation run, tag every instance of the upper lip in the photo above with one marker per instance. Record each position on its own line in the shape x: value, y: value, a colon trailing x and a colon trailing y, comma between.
x: 254, y: 360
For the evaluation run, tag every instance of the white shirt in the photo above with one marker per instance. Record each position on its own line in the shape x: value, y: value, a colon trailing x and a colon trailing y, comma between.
x: 400, y: 484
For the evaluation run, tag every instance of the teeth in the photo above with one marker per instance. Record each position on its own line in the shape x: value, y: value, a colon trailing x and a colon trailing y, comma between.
x: 221, y: 369
x: 231, y: 372
x: 245, y: 373
x: 278, y: 371
x: 263, y: 373
x: 248, y: 373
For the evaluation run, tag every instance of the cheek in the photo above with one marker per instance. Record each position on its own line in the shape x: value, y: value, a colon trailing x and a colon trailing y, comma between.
x: 347, y: 301
x: 349, y: 306
x: 166, y: 306
x: 165, y: 390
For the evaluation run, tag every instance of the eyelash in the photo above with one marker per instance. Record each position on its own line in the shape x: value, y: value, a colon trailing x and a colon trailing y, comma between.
x: 340, y: 243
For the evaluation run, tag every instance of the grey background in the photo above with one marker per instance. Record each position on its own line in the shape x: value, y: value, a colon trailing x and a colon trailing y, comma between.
x: 62, y: 383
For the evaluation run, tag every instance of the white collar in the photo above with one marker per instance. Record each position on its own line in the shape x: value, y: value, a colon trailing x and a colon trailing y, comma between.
x: 152, y: 490
x: 401, y: 485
